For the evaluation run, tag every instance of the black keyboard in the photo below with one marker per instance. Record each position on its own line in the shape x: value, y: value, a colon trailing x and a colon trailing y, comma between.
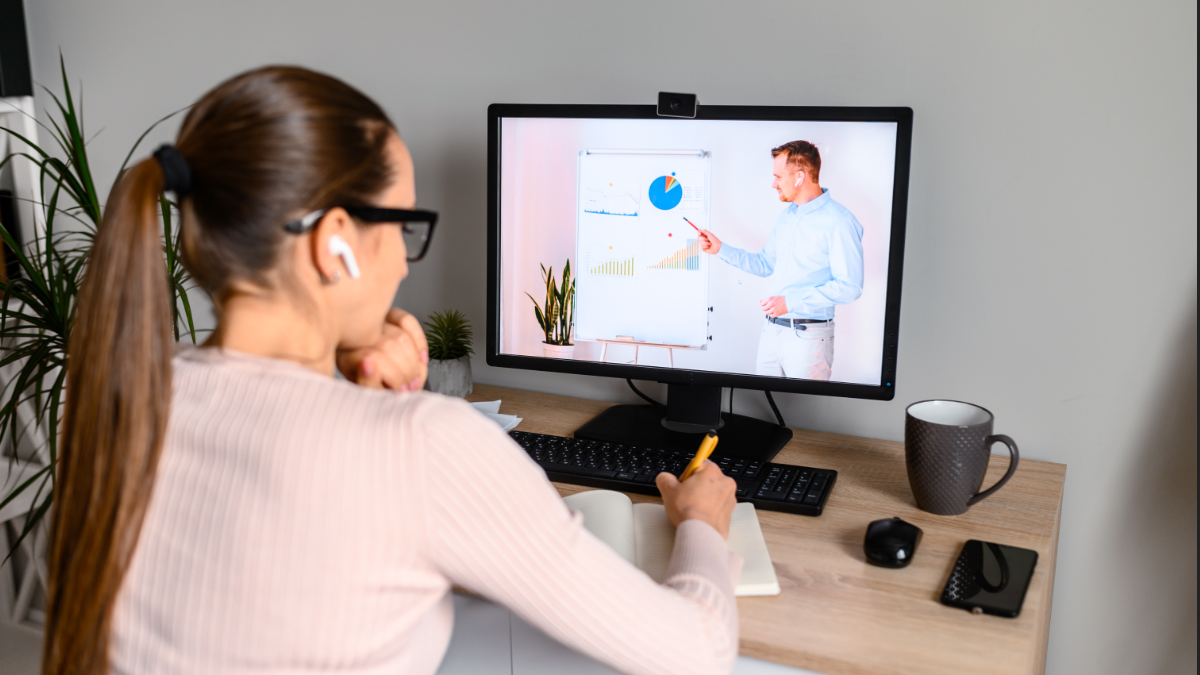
x: 614, y: 466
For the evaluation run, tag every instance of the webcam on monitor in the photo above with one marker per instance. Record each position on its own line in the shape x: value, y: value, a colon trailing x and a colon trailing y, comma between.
x: 676, y: 105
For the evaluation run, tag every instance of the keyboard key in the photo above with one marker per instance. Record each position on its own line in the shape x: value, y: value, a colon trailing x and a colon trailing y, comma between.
x: 813, y: 498
x: 785, y: 480
x: 627, y: 476
x: 647, y: 478
x: 593, y: 473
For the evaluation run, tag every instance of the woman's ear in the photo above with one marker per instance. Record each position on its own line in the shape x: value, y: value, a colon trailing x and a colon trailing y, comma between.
x: 333, y: 242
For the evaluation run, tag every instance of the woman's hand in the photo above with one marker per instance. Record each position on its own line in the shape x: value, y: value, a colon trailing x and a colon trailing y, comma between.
x: 398, y: 361
x: 708, y: 495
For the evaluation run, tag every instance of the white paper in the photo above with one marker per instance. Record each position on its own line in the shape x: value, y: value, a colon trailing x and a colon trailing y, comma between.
x: 643, y: 535
x: 655, y: 540
x: 506, y: 422
x: 487, y: 407
x: 491, y: 409
x: 609, y: 516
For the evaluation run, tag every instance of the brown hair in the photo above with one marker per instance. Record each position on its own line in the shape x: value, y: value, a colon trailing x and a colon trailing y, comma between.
x: 803, y: 156
x: 263, y: 147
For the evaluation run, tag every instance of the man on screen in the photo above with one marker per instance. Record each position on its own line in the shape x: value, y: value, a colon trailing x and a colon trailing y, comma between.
x: 814, y: 257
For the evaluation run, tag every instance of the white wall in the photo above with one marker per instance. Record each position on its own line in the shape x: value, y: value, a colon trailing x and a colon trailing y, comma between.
x: 1051, y: 264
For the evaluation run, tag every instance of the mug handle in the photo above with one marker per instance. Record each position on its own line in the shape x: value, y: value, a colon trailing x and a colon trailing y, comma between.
x: 1012, y: 466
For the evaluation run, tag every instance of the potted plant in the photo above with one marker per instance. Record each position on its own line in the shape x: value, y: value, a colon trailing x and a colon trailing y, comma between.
x: 557, y: 315
x: 449, y: 336
x: 37, y: 309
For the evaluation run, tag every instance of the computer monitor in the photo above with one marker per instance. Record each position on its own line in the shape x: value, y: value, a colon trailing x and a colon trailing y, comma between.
x: 732, y: 249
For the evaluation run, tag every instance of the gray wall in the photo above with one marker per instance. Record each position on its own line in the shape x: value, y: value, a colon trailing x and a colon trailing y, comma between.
x: 1051, y: 265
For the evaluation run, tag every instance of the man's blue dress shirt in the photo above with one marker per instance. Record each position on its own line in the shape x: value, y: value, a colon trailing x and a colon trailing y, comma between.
x: 814, y: 257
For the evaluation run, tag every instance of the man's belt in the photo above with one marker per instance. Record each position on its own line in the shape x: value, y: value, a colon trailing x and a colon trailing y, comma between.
x: 797, y: 323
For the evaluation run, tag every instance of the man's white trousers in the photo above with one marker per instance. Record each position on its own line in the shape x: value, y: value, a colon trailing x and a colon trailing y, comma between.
x: 792, y: 352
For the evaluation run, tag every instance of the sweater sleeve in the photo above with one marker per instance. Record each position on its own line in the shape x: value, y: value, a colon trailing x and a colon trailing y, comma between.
x: 496, y: 526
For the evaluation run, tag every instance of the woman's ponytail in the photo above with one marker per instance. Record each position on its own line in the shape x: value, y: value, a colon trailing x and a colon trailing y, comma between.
x: 253, y: 153
x: 118, y: 391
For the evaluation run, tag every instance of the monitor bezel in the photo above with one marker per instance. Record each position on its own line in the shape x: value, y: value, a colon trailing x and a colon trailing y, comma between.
x: 884, y: 391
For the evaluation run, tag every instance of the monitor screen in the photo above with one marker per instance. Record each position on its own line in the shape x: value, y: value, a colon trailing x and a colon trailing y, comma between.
x: 746, y: 248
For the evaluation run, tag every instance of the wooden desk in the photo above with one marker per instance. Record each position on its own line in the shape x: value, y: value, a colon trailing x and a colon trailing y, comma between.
x: 837, y: 614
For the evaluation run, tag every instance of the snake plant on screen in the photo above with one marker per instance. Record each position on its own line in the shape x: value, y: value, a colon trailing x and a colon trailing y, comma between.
x: 38, y: 305
x: 556, y: 315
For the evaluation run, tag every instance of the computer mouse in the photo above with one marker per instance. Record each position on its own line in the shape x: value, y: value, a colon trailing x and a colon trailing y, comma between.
x: 891, y: 542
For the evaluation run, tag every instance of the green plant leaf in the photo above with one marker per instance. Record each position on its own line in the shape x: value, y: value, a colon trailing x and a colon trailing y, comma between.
x: 38, y: 304
x: 449, y: 335
x: 125, y: 162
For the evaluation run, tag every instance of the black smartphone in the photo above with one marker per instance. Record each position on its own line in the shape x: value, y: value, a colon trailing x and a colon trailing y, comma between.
x: 990, y: 578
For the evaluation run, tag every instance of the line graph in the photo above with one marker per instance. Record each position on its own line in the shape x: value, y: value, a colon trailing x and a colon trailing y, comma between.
x: 686, y: 258
x: 611, y: 200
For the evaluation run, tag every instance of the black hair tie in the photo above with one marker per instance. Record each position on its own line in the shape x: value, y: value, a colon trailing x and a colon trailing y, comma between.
x: 177, y: 175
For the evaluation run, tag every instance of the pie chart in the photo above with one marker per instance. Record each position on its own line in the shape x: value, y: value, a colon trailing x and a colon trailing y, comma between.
x: 665, y: 192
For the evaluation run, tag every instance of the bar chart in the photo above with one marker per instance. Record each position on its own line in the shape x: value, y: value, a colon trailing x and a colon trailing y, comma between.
x: 613, y: 268
x: 686, y: 258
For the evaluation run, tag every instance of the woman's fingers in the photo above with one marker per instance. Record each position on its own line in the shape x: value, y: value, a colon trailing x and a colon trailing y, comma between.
x: 405, y: 365
x: 409, y: 325
x: 397, y: 361
x: 708, y: 495
x: 354, y: 366
x: 368, y: 372
x: 398, y: 367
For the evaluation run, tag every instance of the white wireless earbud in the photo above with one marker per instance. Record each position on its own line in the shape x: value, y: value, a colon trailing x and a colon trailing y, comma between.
x: 798, y: 180
x: 339, y: 247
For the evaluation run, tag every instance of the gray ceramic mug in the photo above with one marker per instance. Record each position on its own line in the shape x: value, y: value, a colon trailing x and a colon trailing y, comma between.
x: 947, y: 445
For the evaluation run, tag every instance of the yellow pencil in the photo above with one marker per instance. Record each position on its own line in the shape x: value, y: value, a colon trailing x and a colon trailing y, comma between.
x: 706, y: 448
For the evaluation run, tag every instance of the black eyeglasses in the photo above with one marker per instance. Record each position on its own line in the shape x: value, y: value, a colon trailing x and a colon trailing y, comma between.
x: 415, y: 226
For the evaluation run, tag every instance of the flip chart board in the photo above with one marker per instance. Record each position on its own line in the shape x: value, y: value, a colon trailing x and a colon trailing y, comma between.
x: 640, y: 274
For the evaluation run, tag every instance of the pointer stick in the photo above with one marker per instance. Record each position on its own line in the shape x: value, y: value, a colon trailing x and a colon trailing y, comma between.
x: 692, y: 224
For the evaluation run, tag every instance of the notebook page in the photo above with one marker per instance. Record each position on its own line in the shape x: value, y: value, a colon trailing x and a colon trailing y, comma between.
x: 655, y: 539
x: 609, y: 516
x: 746, y: 539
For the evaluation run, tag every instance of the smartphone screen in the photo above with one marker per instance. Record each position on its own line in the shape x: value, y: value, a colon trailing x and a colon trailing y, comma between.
x: 990, y: 578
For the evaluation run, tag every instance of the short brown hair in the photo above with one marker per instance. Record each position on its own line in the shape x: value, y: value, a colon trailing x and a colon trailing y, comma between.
x: 802, y: 155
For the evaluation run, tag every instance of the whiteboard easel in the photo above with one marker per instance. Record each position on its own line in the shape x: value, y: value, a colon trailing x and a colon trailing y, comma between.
x: 639, y: 267
x: 637, y: 345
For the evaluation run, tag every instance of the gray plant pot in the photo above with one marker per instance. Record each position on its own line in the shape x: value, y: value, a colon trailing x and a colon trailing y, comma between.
x: 451, y: 377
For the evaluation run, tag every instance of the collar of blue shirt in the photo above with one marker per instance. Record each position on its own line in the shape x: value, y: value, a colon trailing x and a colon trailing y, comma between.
x: 810, y: 206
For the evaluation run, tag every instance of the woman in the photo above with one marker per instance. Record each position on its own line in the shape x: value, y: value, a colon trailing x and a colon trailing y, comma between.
x: 234, y: 508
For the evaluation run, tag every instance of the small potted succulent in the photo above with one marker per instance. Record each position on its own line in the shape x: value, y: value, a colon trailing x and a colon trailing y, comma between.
x: 557, y: 316
x: 449, y: 336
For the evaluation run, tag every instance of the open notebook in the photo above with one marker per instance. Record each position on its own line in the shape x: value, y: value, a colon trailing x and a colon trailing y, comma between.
x: 643, y: 535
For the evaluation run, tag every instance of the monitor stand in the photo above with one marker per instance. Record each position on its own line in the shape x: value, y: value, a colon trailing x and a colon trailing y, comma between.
x: 691, y: 411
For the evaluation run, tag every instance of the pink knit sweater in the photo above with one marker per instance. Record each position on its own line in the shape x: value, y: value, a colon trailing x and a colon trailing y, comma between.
x: 303, y: 524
